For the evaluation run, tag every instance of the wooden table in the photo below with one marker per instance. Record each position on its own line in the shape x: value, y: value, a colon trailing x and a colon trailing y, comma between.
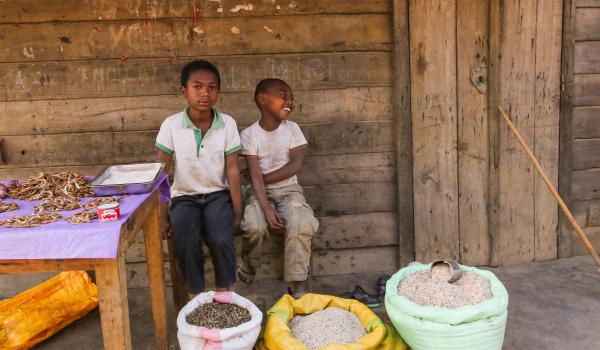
x: 112, y: 280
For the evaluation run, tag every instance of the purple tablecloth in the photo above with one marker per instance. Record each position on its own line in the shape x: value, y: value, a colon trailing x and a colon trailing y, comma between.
x: 61, y: 240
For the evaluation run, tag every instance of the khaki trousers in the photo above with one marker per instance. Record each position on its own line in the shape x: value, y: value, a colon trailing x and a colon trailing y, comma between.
x: 300, y: 227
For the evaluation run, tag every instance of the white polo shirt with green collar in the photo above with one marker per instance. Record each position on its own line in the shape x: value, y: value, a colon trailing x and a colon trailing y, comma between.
x: 199, y: 159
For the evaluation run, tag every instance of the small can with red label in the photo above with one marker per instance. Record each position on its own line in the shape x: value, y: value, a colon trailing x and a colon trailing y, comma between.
x: 109, y: 212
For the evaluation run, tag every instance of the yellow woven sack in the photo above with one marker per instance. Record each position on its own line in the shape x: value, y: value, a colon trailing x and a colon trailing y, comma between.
x: 43, y: 310
x: 278, y: 336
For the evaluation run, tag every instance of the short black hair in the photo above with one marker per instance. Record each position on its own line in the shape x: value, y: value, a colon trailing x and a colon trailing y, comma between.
x: 198, y: 65
x: 265, y: 84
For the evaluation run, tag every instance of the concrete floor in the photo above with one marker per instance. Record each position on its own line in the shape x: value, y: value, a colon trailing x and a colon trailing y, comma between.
x: 553, y: 305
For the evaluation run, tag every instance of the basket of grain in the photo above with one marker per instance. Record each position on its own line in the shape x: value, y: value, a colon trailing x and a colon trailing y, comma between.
x: 218, y: 320
x: 325, y: 322
x: 430, y: 313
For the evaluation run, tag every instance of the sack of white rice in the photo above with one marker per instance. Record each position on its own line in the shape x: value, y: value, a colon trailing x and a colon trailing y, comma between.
x: 430, y: 313
x: 218, y: 320
x: 325, y: 322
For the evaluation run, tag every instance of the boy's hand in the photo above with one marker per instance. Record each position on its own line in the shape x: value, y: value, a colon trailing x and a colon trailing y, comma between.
x: 273, y: 218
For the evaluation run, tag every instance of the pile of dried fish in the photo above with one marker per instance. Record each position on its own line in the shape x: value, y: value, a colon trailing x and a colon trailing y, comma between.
x: 46, y: 185
x: 30, y: 220
x: 95, y: 203
x: 8, y: 206
x: 83, y: 217
x: 57, y: 204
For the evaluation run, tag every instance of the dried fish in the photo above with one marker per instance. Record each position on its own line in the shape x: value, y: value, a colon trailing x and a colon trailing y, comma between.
x: 95, y: 203
x: 46, y: 185
x: 8, y: 206
x: 57, y: 204
x: 83, y: 217
x: 30, y: 220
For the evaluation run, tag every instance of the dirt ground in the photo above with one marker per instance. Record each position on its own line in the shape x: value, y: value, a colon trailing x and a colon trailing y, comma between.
x: 553, y: 305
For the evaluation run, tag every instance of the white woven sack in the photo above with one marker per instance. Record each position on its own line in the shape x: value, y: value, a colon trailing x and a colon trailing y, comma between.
x: 242, y: 337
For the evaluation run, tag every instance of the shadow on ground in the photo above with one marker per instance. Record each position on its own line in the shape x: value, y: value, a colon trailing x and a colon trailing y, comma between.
x: 553, y: 305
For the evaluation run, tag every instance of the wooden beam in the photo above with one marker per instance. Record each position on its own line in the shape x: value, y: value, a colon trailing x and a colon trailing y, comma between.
x: 546, y: 127
x: 493, y: 207
x: 566, y: 126
x: 403, y: 124
x: 44, y: 265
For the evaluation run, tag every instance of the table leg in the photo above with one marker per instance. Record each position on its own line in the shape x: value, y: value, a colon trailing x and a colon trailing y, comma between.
x: 114, y: 307
x: 180, y: 293
x: 156, y: 278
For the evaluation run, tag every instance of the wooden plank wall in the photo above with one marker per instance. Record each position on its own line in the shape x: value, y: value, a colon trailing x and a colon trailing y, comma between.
x: 87, y: 84
x: 525, y: 76
x: 476, y: 197
x: 582, y: 147
x: 449, y: 118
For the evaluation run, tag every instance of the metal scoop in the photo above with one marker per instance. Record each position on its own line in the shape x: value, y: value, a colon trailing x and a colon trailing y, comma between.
x: 454, y: 268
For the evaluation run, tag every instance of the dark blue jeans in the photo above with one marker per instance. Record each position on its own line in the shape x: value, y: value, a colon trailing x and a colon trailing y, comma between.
x: 204, y: 219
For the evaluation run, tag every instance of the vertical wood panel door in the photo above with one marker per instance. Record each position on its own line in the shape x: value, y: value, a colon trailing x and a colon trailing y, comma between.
x: 434, y: 128
x: 476, y: 195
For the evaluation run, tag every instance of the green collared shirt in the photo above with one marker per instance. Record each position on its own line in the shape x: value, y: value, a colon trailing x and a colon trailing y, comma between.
x: 200, y: 159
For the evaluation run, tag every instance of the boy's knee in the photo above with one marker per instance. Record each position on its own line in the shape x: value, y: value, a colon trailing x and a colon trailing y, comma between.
x: 301, y: 220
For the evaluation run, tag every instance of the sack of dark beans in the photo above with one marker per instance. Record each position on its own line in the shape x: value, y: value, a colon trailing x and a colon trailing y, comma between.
x: 218, y: 320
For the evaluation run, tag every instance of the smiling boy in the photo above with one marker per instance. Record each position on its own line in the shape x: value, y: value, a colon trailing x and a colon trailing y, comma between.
x: 274, y: 151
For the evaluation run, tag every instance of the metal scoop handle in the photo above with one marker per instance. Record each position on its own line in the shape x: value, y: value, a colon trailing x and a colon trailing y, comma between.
x: 454, y: 267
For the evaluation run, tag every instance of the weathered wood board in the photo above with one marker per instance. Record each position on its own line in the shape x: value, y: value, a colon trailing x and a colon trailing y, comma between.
x: 434, y: 128
x: 102, y: 10
x: 134, y: 146
x: 587, y: 24
x: 585, y: 184
x: 586, y: 57
x: 546, y: 132
x: 586, y: 154
x: 143, y: 113
x: 586, y: 90
x: 514, y: 72
x: 150, y: 77
x: 586, y: 122
x: 98, y: 40
x: 472, y: 139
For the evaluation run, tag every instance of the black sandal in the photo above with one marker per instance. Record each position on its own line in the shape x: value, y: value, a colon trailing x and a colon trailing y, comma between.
x: 361, y: 295
x: 245, y: 276
x: 380, y: 285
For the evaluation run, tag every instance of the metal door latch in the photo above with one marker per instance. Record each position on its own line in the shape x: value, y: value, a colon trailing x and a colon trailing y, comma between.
x: 479, y: 79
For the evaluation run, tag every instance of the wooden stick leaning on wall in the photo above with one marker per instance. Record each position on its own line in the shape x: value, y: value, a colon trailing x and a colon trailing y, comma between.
x: 552, y: 190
